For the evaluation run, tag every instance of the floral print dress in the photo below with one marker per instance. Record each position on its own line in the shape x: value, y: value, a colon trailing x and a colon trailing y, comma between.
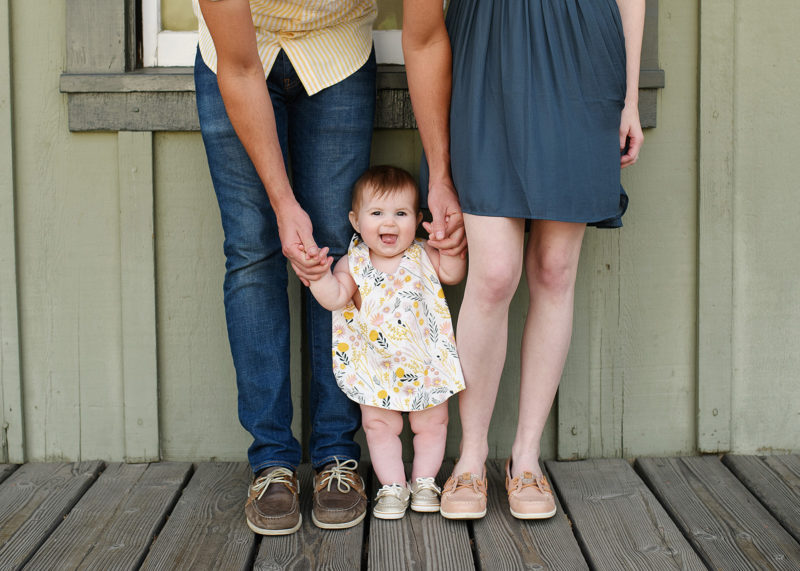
x: 398, y: 351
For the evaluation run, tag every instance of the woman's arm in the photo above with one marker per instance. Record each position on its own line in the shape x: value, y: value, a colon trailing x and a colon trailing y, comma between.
x: 426, y: 49
x: 630, y: 128
x: 240, y: 76
x: 334, y: 289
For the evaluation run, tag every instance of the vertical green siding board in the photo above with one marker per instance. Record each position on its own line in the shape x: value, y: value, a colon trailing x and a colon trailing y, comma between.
x: 715, y: 226
x: 96, y: 36
x: 11, y: 429
x: 574, y: 392
x: 766, y: 329
x: 590, y: 397
x: 649, y: 58
x: 137, y: 280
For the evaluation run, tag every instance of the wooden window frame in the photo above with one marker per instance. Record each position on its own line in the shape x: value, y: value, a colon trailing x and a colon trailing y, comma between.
x: 108, y: 89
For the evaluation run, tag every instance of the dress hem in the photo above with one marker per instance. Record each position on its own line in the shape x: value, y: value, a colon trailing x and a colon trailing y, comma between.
x: 612, y: 221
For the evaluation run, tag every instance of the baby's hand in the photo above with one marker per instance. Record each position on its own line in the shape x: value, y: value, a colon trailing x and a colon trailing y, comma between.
x: 315, y: 272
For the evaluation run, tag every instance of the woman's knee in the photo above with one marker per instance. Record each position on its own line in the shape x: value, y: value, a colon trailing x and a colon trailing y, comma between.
x: 494, y: 280
x: 553, y: 270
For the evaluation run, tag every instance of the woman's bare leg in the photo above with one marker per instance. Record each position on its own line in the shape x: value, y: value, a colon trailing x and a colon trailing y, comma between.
x: 551, y: 265
x: 430, y: 436
x: 495, y: 266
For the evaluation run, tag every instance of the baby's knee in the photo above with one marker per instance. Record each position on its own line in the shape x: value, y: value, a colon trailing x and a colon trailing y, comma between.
x: 430, y: 421
x: 382, y: 422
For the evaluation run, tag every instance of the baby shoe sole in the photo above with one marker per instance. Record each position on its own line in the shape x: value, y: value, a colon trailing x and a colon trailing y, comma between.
x: 388, y: 515
x: 425, y: 509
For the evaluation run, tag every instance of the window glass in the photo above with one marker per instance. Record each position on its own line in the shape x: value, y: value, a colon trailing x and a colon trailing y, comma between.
x: 177, y: 16
x: 390, y: 15
x: 169, y: 32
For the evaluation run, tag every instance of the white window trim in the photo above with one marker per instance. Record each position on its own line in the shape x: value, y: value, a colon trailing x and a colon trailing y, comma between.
x: 163, y: 48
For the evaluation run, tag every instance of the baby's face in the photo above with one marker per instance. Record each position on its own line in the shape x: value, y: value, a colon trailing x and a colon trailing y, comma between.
x: 387, y: 223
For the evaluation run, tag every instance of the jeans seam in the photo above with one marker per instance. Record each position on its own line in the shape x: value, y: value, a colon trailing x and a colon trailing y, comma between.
x: 269, y: 464
x: 329, y: 459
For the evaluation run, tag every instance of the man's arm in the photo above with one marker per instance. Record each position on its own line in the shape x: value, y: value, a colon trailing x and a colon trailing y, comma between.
x: 426, y: 49
x: 240, y: 76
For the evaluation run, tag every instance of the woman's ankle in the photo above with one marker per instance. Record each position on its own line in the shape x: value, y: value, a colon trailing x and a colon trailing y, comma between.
x: 472, y: 464
x: 525, y: 461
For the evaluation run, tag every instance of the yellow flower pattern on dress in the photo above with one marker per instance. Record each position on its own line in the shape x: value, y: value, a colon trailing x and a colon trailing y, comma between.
x: 398, y: 350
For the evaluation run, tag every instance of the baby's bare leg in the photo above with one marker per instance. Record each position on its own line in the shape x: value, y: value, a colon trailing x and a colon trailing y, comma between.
x: 382, y: 428
x: 430, y: 435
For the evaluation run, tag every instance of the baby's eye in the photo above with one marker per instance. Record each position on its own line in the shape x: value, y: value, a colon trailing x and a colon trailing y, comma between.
x: 402, y: 213
x: 375, y: 213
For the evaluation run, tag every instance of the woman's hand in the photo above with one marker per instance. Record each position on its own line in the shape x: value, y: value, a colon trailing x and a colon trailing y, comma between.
x: 630, y: 135
x: 446, y: 230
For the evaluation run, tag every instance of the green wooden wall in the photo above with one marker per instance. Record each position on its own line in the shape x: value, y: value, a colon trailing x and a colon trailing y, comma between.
x: 112, y: 333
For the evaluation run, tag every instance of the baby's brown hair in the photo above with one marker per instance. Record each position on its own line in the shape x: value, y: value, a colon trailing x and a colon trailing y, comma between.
x: 382, y: 180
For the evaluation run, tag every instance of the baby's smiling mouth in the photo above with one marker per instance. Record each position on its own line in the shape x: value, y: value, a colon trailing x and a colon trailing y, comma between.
x: 389, y: 239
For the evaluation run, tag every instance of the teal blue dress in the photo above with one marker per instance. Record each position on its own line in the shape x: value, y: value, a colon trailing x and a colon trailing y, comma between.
x: 538, y: 87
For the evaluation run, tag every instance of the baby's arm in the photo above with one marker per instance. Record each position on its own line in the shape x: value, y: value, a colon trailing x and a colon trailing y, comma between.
x: 334, y: 289
x: 450, y: 269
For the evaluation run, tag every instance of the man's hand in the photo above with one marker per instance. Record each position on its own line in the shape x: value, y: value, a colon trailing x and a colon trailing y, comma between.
x: 446, y: 230
x: 308, y: 261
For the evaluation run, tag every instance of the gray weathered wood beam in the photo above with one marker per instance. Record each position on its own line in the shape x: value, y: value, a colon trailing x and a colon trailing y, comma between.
x: 715, y: 227
x: 12, y: 445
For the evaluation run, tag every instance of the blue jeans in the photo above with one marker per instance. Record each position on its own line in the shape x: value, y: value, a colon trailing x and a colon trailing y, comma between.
x: 326, y: 139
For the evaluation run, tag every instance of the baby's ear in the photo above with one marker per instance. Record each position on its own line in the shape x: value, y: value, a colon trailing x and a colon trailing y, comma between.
x: 354, y: 221
x: 419, y: 218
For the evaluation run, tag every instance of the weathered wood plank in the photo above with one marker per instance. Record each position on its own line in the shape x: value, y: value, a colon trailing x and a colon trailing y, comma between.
x: 114, y: 523
x: 11, y: 423
x: 618, y: 521
x: 96, y: 37
x: 775, y: 481
x: 207, y: 528
x: 142, y: 111
x: 715, y: 227
x: 505, y: 542
x: 138, y: 284
x: 153, y: 102
x: 419, y: 540
x: 727, y: 526
x: 33, y: 502
x: 312, y: 547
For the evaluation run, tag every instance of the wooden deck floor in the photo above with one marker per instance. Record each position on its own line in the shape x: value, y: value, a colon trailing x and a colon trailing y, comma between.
x: 732, y: 513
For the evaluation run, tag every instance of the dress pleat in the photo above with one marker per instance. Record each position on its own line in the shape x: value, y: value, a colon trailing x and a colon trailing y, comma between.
x: 538, y: 87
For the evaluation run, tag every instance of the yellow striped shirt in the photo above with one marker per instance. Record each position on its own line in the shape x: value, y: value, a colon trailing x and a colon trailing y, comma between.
x: 326, y: 40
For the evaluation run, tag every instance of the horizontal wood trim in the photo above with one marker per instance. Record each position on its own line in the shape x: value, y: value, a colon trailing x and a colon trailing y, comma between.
x: 163, y: 100
x: 390, y: 77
